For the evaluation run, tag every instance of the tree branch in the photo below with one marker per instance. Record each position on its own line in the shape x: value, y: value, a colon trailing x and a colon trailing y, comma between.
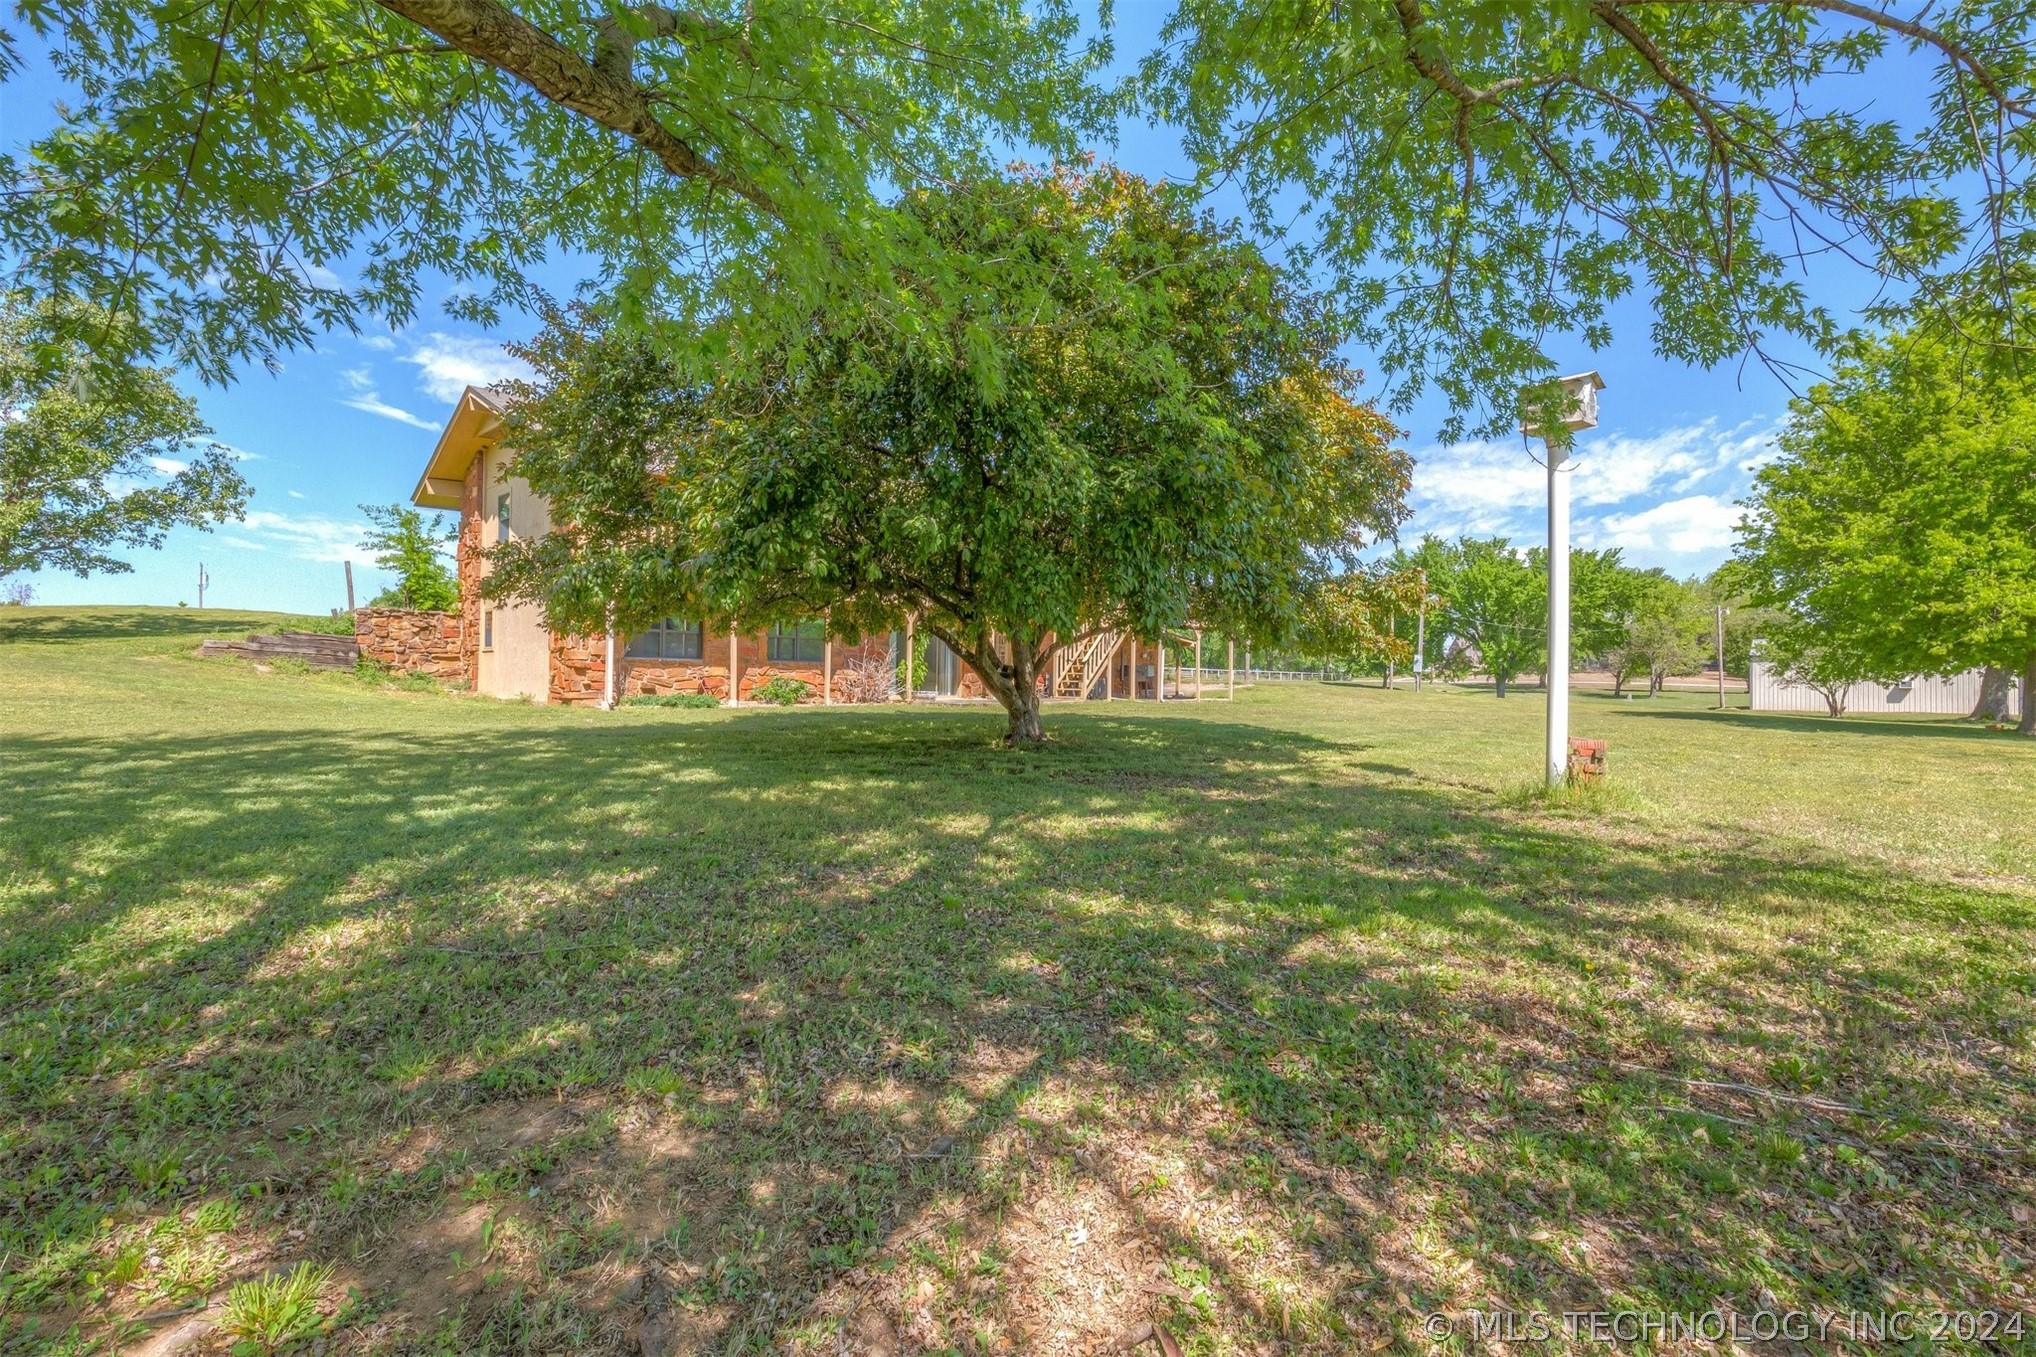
x: 489, y: 32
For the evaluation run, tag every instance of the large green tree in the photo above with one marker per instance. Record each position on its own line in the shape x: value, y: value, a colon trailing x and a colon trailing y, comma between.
x: 1486, y: 179
x: 1899, y: 523
x: 241, y: 177
x: 1663, y: 628
x: 1483, y: 179
x: 96, y: 454
x: 1155, y: 434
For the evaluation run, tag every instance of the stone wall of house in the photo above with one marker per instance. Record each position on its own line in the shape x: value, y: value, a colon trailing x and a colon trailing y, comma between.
x: 413, y: 641
x: 468, y: 558
x: 579, y: 669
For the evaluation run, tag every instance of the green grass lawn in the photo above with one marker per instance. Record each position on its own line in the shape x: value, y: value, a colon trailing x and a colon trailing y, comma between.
x: 1276, y: 1025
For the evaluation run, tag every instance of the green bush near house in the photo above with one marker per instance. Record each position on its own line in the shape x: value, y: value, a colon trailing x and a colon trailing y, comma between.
x: 781, y: 691
x: 697, y: 700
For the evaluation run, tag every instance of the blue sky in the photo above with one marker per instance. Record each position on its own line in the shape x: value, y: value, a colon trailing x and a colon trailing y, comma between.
x: 352, y: 420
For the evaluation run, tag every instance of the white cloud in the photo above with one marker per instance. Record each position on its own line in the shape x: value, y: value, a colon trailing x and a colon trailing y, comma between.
x: 1681, y: 527
x: 449, y: 364
x: 382, y: 343
x: 294, y: 494
x: 367, y: 398
x: 169, y: 466
x: 308, y: 537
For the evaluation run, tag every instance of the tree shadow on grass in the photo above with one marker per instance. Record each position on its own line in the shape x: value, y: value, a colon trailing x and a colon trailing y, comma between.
x: 1919, y: 726
x: 854, y: 1030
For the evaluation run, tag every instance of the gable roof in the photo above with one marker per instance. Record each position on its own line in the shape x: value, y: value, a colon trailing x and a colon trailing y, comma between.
x: 475, y: 424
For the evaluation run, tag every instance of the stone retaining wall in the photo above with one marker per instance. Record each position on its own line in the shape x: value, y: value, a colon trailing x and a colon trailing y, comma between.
x: 412, y: 641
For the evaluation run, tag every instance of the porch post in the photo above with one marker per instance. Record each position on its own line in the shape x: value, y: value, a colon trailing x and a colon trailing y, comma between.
x: 1159, y: 672
x: 827, y: 671
x: 734, y: 672
x: 608, y: 679
x: 906, y: 685
x: 1134, y: 667
x: 1198, y: 664
x: 1232, y: 660
x: 1110, y: 668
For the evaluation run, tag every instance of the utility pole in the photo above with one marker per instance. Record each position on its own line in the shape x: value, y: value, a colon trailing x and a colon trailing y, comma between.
x: 1721, y: 657
x: 1392, y: 634
x: 1421, y: 632
x: 349, y: 586
x: 203, y: 580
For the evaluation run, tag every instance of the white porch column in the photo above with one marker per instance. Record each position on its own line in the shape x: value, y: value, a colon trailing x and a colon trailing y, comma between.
x: 734, y: 673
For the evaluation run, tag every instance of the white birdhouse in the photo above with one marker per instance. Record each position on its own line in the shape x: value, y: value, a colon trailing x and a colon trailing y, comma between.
x: 1583, y: 389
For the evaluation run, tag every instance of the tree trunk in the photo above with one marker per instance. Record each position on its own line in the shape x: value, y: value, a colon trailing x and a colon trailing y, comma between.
x: 1834, y: 699
x: 1654, y: 682
x: 2027, y: 725
x: 1502, y: 684
x: 1014, y: 683
x: 1618, y: 680
x: 1993, y: 695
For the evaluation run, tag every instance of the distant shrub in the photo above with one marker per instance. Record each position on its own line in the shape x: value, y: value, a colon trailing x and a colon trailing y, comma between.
x: 701, y: 700
x: 785, y: 692
x: 17, y: 594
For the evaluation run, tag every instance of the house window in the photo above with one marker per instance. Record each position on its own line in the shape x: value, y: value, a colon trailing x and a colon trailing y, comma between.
x: 502, y: 517
x: 796, y: 642
x: 670, y: 639
x: 487, y: 629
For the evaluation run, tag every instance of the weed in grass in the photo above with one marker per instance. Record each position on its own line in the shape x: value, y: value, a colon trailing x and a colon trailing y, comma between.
x: 277, y: 1309
x: 697, y: 701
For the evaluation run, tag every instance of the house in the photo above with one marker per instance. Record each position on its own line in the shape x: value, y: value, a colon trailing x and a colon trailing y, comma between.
x: 504, y: 649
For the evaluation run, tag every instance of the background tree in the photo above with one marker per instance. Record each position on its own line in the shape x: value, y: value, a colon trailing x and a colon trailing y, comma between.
x: 1665, y: 624
x: 96, y: 454
x: 410, y: 545
x: 1806, y: 654
x: 1898, y: 527
x: 1487, y: 179
x: 1361, y: 620
x: 1164, y: 438
x: 1495, y: 601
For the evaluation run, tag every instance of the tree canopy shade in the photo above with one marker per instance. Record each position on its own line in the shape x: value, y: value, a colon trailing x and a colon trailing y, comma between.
x: 95, y: 454
x: 1483, y: 175
x: 243, y: 176
x: 1162, y: 438
x: 1898, y: 528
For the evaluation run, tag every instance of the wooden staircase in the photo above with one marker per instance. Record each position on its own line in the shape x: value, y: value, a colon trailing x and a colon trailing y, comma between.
x: 1077, y: 669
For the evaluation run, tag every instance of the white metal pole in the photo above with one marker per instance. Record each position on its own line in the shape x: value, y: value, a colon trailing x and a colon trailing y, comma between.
x: 1159, y: 672
x: 1421, y: 633
x: 734, y: 673
x: 1557, y: 676
x: 1721, y: 657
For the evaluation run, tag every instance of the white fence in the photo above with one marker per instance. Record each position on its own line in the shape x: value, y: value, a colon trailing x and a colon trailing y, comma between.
x: 1921, y: 694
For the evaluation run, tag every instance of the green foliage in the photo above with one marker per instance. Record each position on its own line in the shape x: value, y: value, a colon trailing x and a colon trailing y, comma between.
x: 409, y: 544
x: 1898, y: 528
x: 701, y: 701
x: 341, y: 624
x: 77, y: 428
x: 1361, y: 620
x: 781, y: 690
x: 1493, y: 600
x: 276, y: 1309
x: 1155, y: 429
x: 247, y: 177
x: 1665, y: 622
x: 1489, y: 179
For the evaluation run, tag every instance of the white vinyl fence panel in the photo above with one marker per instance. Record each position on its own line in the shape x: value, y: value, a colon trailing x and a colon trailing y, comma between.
x: 1921, y: 694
